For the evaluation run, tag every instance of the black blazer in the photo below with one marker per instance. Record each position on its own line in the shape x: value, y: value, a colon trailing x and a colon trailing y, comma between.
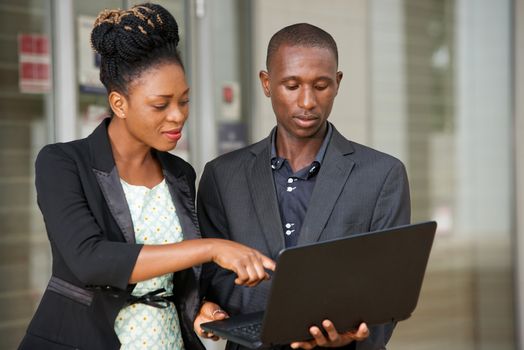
x: 93, y: 245
x: 358, y: 189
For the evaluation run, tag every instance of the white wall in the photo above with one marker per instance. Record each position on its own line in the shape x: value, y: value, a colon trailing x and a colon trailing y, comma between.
x: 483, y: 115
x: 388, y: 115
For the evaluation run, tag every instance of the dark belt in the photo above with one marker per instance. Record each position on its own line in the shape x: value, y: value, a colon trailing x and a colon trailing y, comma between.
x: 152, y: 299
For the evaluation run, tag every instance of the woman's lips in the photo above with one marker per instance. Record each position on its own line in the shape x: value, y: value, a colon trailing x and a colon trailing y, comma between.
x: 173, y: 135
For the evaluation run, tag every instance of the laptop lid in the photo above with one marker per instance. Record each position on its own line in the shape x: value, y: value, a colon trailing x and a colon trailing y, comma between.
x: 372, y: 277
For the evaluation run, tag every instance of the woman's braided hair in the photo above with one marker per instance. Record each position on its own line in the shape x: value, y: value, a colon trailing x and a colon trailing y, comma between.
x: 131, y: 41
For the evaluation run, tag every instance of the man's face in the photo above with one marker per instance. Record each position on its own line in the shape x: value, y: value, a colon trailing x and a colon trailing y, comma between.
x: 302, y: 83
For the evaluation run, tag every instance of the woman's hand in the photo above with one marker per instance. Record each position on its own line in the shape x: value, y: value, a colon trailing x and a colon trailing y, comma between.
x: 249, y: 264
x: 208, y: 312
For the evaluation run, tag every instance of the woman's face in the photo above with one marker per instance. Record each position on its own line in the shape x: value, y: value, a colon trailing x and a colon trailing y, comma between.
x: 157, y: 106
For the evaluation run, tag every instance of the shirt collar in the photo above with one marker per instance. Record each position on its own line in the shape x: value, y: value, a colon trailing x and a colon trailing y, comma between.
x: 276, y: 161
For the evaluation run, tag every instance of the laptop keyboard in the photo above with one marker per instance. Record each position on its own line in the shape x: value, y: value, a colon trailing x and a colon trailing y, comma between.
x: 251, y: 331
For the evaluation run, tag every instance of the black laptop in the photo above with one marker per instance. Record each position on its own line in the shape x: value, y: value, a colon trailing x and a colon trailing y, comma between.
x: 371, y: 277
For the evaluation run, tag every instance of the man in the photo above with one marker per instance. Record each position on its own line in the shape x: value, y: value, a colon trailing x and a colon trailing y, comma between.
x: 304, y: 183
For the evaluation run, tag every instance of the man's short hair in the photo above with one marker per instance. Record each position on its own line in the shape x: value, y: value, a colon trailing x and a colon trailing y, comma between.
x: 301, y: 34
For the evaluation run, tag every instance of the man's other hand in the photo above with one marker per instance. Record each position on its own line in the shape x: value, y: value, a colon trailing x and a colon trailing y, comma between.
x: 334, y: 339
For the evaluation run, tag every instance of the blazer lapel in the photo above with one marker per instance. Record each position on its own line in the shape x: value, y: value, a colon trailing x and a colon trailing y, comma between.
x: 109, y: 180
x: 262, y: 189
x: 333, y: 175
x: 116, y: 201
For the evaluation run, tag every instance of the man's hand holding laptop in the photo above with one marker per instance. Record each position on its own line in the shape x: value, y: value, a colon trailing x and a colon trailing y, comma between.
x: 334, y: 339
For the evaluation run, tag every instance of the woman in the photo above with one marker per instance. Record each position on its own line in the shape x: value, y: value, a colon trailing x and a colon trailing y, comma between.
x: 119, y: 209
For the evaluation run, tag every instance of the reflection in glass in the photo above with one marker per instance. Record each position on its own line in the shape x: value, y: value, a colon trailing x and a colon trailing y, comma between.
x: 444, y: 93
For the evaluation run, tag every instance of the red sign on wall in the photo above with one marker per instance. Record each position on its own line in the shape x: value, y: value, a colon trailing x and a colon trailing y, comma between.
x: 34, y: 63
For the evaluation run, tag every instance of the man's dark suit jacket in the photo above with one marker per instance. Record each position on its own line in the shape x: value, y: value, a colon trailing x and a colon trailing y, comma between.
x: 358, y: 189
x: 93, y: 245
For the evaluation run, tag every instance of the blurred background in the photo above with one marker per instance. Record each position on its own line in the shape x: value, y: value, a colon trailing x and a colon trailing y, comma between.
x: 437, y: 83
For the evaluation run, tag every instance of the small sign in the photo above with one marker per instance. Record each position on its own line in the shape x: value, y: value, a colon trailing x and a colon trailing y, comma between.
x: 34, y: 63
x: 230, y: 101
x: 231, y: 136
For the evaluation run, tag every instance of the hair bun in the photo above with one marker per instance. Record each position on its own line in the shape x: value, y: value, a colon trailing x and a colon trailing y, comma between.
x: 128, y: 35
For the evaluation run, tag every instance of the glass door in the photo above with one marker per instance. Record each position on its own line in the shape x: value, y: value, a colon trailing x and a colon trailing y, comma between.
x: 26, y: 110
